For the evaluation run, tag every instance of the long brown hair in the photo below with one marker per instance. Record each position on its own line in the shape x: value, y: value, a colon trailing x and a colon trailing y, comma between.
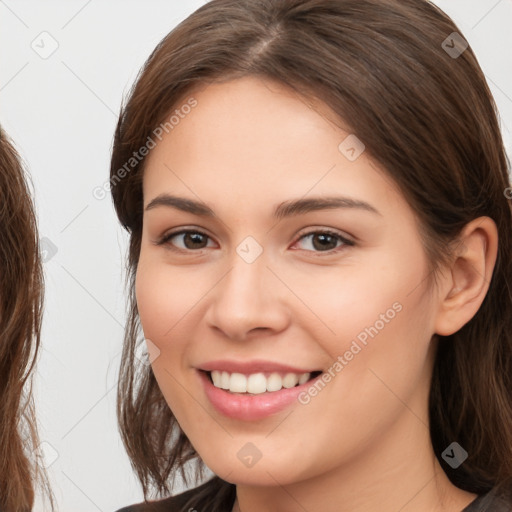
x: 389, y: 71
x: 21, y: 301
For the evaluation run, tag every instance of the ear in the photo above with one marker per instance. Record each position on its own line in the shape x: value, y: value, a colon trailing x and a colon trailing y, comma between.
x: 464, y: 285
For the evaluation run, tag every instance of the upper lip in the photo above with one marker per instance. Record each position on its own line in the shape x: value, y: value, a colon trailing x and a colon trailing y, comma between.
x: 249, y: 367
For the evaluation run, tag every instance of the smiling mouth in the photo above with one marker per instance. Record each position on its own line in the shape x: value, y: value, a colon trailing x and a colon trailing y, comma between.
x: 258, y: 383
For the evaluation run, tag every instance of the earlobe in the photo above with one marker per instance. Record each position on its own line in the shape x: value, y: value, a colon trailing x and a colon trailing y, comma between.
x: 465, y: 284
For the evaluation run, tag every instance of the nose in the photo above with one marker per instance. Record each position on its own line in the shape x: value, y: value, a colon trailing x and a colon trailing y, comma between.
x: 248, y: 301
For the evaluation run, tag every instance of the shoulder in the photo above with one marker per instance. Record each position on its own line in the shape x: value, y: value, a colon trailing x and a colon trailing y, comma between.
x: 218, y: 490
x: 493, y: 501
x: 166, y: 505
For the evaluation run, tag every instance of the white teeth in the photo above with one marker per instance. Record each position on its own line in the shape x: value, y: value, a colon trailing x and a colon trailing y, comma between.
x: 274, y: 382
x: 217, y: 378
x: 256, y: 383
x: 224, y: 380
x: 238, y: 383
x: 304, y: 378
x: 290, y: 380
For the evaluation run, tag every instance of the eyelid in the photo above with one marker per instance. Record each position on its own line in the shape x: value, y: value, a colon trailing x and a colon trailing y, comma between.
x: 164, y: 239
x: 330, y: 231
x: 346, y: 241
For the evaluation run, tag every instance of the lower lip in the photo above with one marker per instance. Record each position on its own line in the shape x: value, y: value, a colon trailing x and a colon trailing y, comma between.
x: 249, y: 407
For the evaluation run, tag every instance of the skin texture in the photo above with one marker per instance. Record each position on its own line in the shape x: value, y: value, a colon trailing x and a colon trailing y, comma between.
x: 361, y: 444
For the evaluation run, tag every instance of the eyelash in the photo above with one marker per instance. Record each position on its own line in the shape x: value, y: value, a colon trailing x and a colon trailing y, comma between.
x: 165, y: 240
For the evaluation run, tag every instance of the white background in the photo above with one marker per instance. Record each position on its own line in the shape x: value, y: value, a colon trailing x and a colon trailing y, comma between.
x: 61, y: 112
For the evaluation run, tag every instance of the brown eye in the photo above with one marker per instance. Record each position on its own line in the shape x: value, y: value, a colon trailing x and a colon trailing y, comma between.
x: 324, y: 241
x: 186, y: 240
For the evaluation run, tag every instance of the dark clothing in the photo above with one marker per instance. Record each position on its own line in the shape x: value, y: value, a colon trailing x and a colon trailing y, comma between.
x: 489, y: 502
x: 198, y: 500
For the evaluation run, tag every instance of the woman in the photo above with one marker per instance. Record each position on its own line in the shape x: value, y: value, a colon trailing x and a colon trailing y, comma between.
x: 320, y: 256
x: 21, y: 295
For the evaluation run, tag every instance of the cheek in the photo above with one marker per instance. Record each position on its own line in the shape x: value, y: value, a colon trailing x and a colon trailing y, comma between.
x: 164, y: 297
x: 386, y: 333
x: 163, y: 300
x: 152, y: 299
x: 352, y: 301
x: 379, y: 316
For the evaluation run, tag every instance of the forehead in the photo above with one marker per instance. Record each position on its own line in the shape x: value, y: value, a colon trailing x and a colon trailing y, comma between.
x: 258, y: 139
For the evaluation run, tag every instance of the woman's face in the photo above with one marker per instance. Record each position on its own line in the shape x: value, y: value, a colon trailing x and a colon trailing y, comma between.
x: 269, y: 287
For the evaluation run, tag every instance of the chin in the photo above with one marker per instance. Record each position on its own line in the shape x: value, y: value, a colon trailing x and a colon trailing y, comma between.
x: 271, y: 472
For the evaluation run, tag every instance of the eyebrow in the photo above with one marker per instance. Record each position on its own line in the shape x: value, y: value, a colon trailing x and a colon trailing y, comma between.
x: 285, y: 209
